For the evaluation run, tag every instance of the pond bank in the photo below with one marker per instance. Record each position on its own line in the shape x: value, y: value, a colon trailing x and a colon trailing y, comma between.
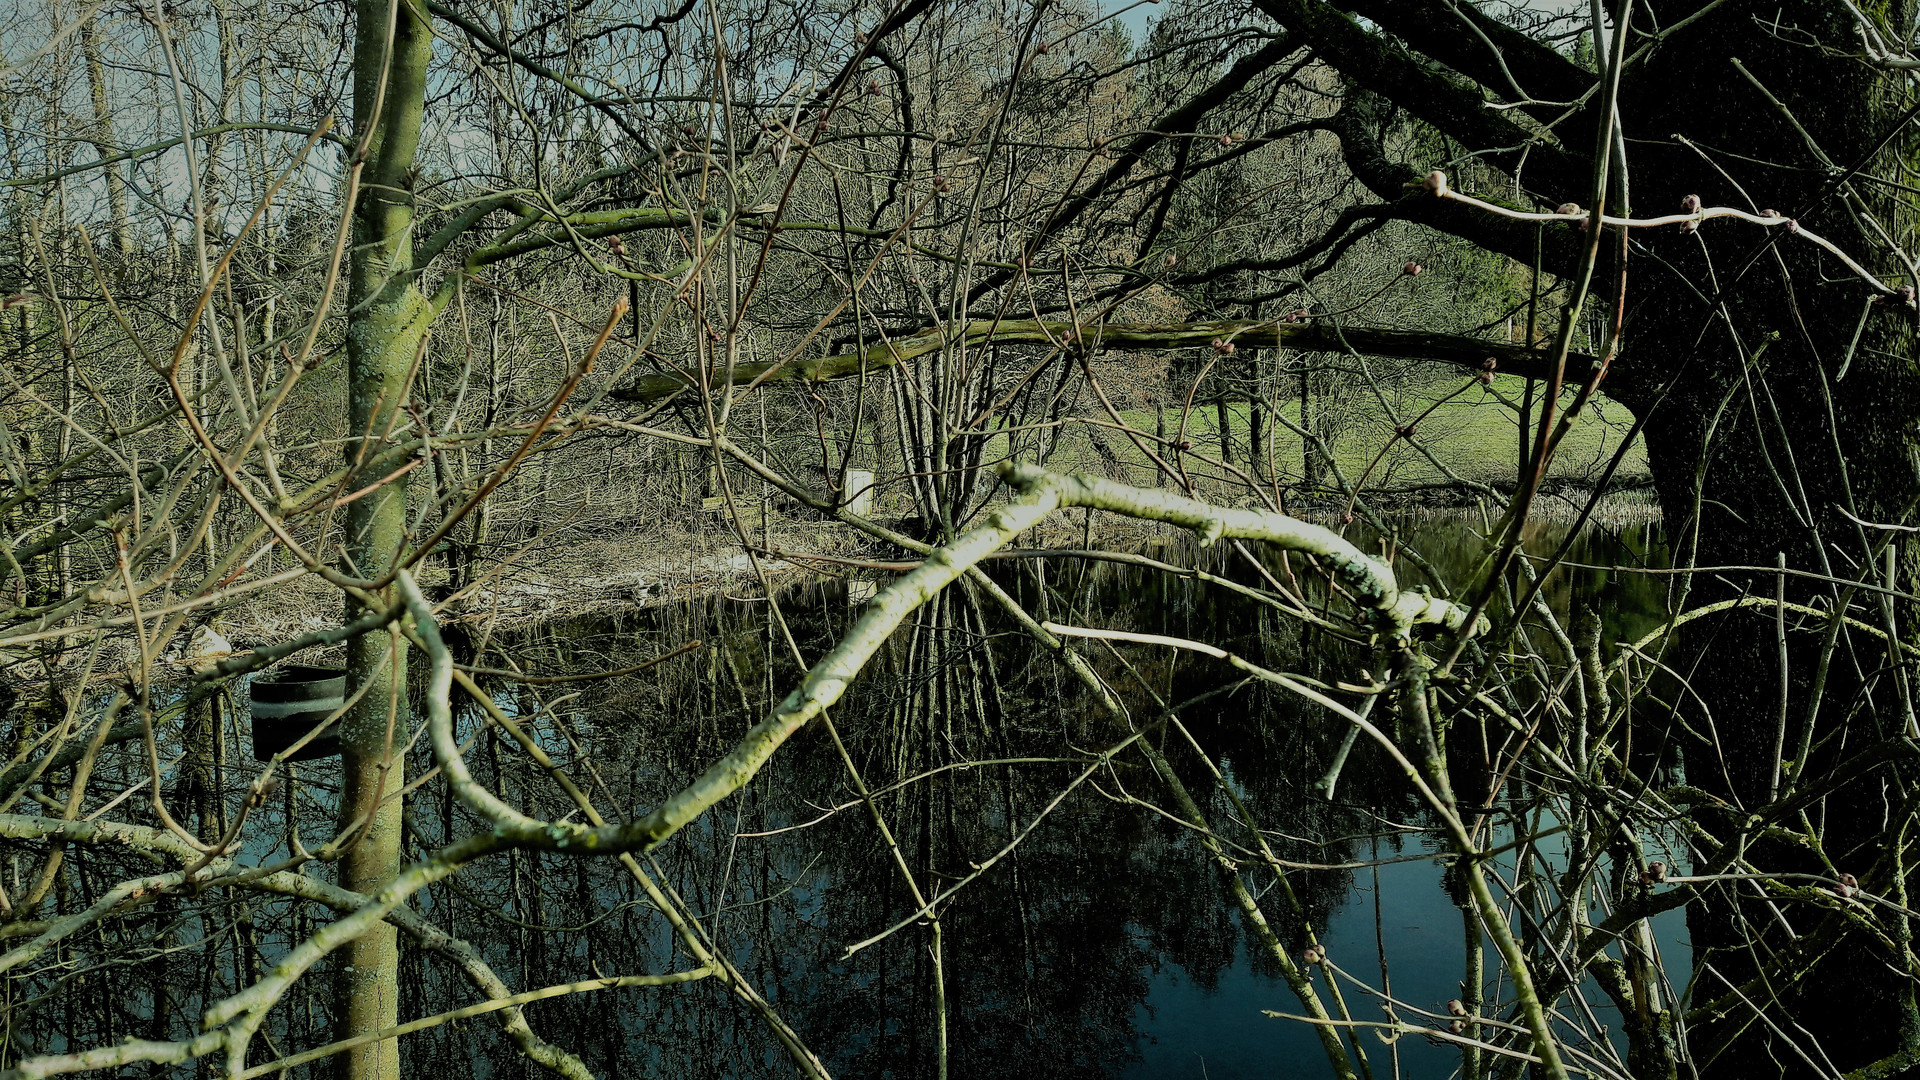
x: 563, y: 576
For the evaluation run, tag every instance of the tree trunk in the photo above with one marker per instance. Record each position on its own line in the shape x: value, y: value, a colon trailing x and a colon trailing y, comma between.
x: 1311, y: 467
x: 103, y: 144
x: 1788, y: 446
x: 1224, y: 417
x: 1256, y: 436
x: 388, y: 321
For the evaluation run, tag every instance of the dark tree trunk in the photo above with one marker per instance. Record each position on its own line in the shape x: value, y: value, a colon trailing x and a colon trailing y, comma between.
x: 1311, y: 466
x: 1788, y: 445
x: 1256, y: 436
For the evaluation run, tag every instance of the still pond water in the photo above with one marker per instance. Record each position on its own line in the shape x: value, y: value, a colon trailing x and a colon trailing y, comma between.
x: 1104, y: 945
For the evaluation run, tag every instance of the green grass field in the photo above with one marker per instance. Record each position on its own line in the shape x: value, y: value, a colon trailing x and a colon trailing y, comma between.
x: 1472, y: 433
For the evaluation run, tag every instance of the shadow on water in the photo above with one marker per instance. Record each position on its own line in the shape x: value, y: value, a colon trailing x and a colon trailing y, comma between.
x: 1105, y: 944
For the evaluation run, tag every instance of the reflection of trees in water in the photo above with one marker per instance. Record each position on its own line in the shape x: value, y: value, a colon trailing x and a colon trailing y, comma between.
x: 1048, y: 956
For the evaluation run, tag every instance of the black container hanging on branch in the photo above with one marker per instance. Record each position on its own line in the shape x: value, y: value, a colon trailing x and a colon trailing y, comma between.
x: 292, y: 701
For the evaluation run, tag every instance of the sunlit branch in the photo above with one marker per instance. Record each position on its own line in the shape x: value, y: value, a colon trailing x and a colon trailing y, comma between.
x: 1573, y: 215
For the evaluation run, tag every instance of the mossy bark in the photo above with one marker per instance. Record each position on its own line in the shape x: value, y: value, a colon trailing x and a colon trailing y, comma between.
x: 387, y: 324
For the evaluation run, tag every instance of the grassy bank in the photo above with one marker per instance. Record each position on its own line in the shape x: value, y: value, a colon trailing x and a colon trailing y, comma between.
x: 1471, y: 434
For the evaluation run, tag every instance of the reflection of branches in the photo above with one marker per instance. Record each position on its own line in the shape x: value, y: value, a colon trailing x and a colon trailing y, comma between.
x: 215, y: 873
x: 233, y: 1022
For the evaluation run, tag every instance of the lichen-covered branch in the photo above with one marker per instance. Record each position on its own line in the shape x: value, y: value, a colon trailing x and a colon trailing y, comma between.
x: 1369, y: 580
x: 1388, y: 609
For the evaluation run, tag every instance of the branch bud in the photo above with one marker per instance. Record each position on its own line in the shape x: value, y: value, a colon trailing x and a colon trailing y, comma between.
x: 1690, y: 205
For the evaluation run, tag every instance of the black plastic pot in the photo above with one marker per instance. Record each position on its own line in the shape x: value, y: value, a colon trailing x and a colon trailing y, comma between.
x: 288, y: 702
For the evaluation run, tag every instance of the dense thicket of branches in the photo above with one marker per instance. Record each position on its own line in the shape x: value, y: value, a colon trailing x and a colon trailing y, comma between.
x: 321, y: 323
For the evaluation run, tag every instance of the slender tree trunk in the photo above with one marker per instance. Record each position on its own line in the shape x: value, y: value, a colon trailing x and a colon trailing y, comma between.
x: 388, y: 322
x: 102, y: 140
x: 1256, y: 415
x: 1256, y: 435
x: 1311, y: 466
x: 1224, y: 416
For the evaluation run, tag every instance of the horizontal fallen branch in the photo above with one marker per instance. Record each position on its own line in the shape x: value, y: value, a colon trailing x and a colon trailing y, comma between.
x: 1455, y: 349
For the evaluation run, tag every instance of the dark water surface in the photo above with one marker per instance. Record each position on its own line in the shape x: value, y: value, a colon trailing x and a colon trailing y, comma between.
x: 1104, y: 945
